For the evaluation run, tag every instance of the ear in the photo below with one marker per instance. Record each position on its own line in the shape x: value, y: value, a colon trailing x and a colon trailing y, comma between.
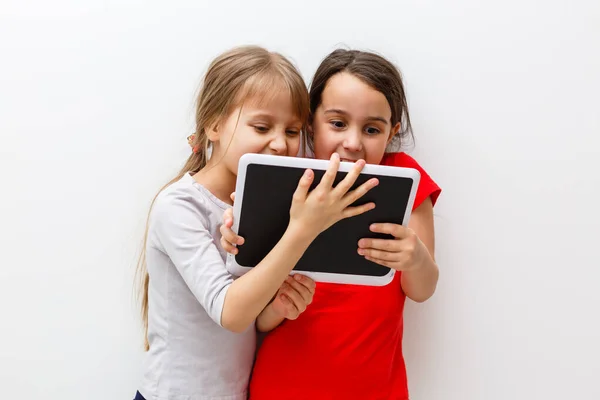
x: 395, y: 129
x: 213, y: 133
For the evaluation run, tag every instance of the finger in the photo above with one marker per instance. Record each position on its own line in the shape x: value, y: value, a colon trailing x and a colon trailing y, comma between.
x: 296, y: 297
x: 302, y: 290
x: 382, y: 263
x: 230, y: 236
x: 232, y: 196
x: 287, y: 306
x: 381, y: 244
x: 228, y: 247
x: 331, y: 173
x: 346, y: 183
x: 303, y: 185
x: 382, y: 255
x: 354, y: 211
x: 228, y: 217
x: 290, y: 312
x: 306, y: 281
x: 396, y: 230
x: 286, y: 301
x: 360, y: 191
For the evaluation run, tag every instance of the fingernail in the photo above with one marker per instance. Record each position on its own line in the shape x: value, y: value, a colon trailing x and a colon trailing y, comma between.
x: 361, y: 252
x: 240, y: 241
x: 361, y: 243
x: 308, y: 173
x: 298, y: 277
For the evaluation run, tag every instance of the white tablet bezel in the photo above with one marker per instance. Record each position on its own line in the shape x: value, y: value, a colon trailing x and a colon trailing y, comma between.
x: 305, y: 163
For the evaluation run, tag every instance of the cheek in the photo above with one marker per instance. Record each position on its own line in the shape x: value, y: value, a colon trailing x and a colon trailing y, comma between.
x: 235, y: 149
x: 374, y: 149
x: 325, y: 143
x: 293, y: 146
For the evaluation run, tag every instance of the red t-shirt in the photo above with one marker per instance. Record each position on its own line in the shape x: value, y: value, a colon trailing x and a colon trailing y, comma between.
x: 347, y: 344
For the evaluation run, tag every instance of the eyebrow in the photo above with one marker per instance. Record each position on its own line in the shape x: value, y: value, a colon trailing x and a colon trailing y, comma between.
x: 260, y: 114
x: 270, y: 117
x: 338, y: 111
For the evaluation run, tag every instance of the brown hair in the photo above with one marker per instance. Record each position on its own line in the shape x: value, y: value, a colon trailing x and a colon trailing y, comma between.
x: 232, y: 78
x: 372, y: 69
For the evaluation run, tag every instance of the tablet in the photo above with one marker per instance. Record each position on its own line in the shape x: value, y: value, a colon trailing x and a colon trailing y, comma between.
x: 264, y: 189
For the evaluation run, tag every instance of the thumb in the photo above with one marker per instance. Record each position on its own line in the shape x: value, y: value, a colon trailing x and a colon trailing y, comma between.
x: 232, y: 196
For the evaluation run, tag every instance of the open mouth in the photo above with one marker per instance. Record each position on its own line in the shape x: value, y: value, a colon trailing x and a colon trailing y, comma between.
x: 348, y: 160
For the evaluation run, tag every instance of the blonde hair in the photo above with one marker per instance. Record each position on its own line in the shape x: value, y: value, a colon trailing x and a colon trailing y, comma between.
x: 247, y: 72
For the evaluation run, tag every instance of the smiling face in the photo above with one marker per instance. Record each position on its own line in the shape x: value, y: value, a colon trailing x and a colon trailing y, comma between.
x: 353, y: 119
x: 271, y: 127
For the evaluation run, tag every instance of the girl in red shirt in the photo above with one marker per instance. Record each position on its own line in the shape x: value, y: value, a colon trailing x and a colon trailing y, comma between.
x: 347, y: 344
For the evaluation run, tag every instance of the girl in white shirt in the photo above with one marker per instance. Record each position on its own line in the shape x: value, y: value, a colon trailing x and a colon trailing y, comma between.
x: 200, y: 321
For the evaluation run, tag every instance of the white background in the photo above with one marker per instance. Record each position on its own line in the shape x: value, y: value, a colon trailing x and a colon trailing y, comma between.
x: 96, y: 99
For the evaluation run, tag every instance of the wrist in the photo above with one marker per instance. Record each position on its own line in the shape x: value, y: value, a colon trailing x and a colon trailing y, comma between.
x: 300, y: 233
x: 268, y: 319
x: 422, y: 266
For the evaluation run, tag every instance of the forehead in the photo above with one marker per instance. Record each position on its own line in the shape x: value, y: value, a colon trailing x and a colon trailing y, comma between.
x: 277, y: 106
x: 347, y: 92
x: 277, y: 101
x: 273, y: 92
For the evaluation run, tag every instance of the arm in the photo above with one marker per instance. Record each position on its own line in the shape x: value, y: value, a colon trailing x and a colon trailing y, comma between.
x: 268, y: 319
x: 236, y: 304
x: 180, y: 230
x: 420, y: 283
x: 250, y: 293
x: 181, y: 233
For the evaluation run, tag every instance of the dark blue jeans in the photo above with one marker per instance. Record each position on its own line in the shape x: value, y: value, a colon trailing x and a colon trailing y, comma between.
x: 138, y: 396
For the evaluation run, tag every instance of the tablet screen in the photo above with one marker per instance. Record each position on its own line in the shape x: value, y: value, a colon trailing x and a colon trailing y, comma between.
x: 267, y: 198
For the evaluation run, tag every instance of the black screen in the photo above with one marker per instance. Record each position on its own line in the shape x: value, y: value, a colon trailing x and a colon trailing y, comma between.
x: 265, y: 211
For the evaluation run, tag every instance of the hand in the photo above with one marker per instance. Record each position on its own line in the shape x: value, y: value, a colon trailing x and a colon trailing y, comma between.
x: 316, y: 211
x: 229, y: 239
x: 295, y: 294
x: 335, y: 201
x: 405, y: 252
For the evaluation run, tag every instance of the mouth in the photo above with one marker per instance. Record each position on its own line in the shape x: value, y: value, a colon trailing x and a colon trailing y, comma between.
x: 348, y: 160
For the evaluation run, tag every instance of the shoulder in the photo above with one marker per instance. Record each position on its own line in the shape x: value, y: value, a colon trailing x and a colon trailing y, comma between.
x: 427, y: 186
x: 178, y: 202
x: 401, y: 160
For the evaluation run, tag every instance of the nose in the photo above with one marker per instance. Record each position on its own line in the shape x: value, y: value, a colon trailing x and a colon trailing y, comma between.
x: 353, y: 141
x: 278, y: 145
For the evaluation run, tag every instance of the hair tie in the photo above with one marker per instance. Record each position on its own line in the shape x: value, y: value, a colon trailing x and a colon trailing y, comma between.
x: 191, y: 139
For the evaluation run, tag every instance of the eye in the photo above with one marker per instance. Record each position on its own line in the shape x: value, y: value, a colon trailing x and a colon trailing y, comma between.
x: 370, y: 130
x: 261, y: 128
x: 337, y: 124
x: 292, y: 132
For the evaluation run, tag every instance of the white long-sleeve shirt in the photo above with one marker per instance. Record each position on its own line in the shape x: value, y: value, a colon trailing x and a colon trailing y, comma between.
x: 191, y: 356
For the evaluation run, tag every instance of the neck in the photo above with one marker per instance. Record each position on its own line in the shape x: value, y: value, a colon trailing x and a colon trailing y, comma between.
x: 218, y: 180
